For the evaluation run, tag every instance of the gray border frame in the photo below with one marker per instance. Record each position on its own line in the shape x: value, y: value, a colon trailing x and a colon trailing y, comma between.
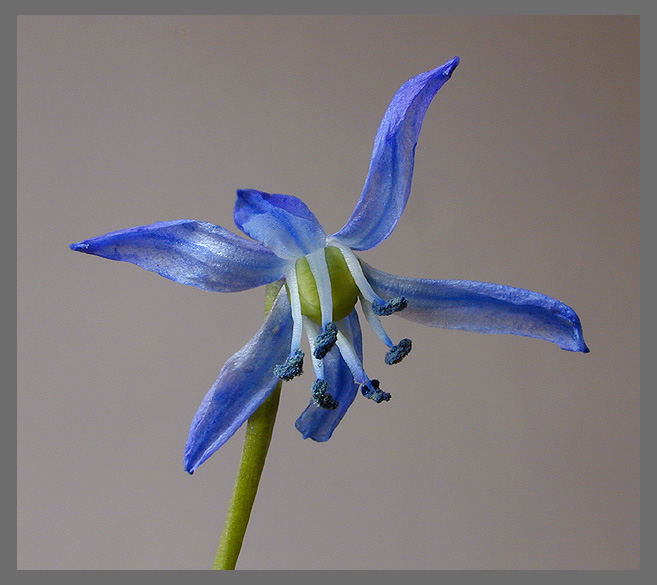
x: 9, y: 36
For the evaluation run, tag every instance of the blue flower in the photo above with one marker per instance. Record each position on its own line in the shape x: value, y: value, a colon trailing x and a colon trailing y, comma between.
x: 321, y: 280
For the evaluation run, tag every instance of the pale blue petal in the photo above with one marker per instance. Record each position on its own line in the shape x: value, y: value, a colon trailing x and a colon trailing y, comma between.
x: 319, y: 423
x: 191, y: 252
x: 244, y: 383
x: 481, y: 307
x: 388, y: 182
x: 283, y: 223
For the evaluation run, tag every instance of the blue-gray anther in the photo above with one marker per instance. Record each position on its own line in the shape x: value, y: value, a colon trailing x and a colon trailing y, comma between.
x: 389, y: 307
x: 399, y: 352
x: 292, y: 367
x: 321, y: 397
x: 325, y: 340
x: 374, y: 392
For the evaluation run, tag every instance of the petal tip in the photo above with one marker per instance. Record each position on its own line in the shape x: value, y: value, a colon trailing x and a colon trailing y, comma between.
x: 578, y: 347
x: 79, y: 247
x: 584, y: 348
x: 188, y: 463
x: 192, y: 459
x: 309, y: 432
x: 451, y: 65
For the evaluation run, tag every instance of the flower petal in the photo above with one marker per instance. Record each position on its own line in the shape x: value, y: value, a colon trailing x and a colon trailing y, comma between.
x: 283, y: 223
x: 482, y: 307
x: 319, y: 423
x: 388, y: 182
x: 244, y: 383
x: 191, y: 252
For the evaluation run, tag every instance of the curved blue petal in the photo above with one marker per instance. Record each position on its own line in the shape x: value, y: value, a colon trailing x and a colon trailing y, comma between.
x: 481, y: 307
x: 388, y: 182
x: 319, y: 423
x: 244, y: 383
x: 283, y: 223
x: 191, y: 252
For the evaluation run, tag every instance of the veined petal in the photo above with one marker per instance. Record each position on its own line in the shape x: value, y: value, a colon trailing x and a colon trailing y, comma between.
x: 283, y: 223
x: 244, y: 383
x: 388, y: 182
x: 319, y: 423
x: 191, y: 252
x: 482, y: 307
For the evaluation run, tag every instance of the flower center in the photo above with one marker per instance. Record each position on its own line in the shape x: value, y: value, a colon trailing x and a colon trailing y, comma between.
x: 344, y: 291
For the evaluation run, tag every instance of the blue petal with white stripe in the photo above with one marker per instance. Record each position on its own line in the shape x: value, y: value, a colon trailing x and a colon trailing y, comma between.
x: 244, y: 383
x: 191, y: 252
x: 283, y: 223
x: 388, y: 182
x: 482, y: 307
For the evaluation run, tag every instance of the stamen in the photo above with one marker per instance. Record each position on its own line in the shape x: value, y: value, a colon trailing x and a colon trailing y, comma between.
x: 312, y: 333
x: 398, y: 352
x: 385, y: 308
x: 321, y: 397
x: 320, y: 272
x: 356, y: 272
x: 325, y: 340
x: 369, y: 388
x: 295, y: 306
x: 379, y: 306
x: 292, y: 367
x: 375, y: 323
x: 373, y: 392
x: 352, y: 360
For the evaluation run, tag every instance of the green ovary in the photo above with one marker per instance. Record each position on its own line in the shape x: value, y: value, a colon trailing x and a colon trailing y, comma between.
x: 343, y: 288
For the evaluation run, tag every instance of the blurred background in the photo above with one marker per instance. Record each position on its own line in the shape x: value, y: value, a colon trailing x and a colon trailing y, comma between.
x: 495, y: 452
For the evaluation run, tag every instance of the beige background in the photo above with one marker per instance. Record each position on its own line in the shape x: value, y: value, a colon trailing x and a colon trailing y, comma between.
x: 495, y: 452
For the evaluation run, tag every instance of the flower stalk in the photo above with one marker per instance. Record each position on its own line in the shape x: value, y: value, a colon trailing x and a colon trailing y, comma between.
x: 256, y: 444
x: 259, y: 429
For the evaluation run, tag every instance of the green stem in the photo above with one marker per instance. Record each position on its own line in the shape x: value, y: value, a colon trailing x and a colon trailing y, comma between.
x: 259, y: 429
